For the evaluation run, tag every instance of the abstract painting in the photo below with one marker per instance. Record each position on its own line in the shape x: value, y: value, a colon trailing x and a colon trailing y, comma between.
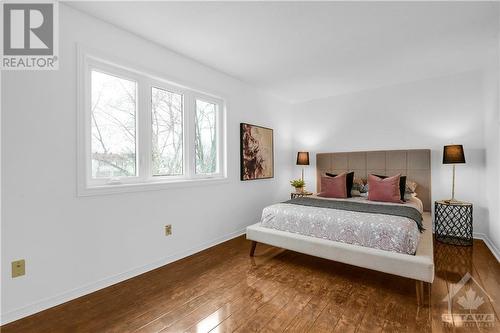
x: 257, y: 156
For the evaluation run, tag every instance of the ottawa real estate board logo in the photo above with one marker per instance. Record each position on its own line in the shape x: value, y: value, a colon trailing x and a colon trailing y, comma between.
x: 469, y: 306
x: 30, y: 35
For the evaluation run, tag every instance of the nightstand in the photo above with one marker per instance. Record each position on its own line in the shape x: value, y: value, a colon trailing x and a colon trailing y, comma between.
x: 294, y: 195
x: 453, y: 222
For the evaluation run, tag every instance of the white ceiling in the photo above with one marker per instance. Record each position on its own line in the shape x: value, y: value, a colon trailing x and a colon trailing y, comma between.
x: 300, y: 51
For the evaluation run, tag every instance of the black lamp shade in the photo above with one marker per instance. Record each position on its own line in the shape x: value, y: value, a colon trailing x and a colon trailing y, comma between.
x: 303, y: 158
x: 453, y: 154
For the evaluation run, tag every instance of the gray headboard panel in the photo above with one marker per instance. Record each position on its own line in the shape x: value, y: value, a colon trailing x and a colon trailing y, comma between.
x: 413, y: 163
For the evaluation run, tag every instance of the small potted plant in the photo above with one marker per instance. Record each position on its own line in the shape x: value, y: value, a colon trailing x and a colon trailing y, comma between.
x: 299, y: 185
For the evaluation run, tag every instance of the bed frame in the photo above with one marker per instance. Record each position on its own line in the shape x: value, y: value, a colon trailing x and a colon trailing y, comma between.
x: 413, y: 163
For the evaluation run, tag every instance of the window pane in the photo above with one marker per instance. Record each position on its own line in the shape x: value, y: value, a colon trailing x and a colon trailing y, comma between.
x: 113, y: 126
x: 167, y: 132
x: 206, y: 137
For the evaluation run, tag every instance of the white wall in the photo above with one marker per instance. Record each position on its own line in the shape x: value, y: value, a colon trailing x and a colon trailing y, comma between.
x: 423, y: 114
x: 492, y: 158
x: 492, y: 141
x: 73, y: 245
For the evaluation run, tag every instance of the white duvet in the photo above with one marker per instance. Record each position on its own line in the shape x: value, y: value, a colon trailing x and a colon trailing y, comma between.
x: 379, y: 231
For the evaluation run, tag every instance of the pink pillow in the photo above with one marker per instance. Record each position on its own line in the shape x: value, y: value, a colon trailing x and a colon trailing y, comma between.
x: 386, y: 189
x: 334, y: 187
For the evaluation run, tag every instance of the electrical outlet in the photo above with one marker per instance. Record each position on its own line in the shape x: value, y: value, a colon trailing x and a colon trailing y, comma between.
x: 18, y: 268
x: 168, y: 230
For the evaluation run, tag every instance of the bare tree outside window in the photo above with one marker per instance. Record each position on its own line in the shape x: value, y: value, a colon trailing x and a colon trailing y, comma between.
x: 113, y: 118
x: 167, y: 132
x: 206, y: 137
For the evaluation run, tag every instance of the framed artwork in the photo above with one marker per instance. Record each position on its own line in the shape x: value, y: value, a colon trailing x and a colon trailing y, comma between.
x: 257, y: 152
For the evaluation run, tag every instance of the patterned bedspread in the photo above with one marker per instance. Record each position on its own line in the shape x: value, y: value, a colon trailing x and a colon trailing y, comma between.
x: 385, y: 232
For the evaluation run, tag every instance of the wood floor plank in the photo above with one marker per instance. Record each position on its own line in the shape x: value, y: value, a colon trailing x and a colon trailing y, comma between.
x: 341, y: 288
x: 197, y: 289
x: 488, y: 270
x: 460, y: 325
x: 287, y: 313
x: 406, y: 315
x: 487, y: 307
x: 222, y: 289
x: 171, y: 298
x: 306, y: 318
x: 460, y: 263
x: 251, y: 274
x: 265, y: 313
x: 210, y: 307
x: 356, y: 307
x: 377, y: 311
x: 245, y: 311
x: 439, y: 307
x: 298, y: 280
x: 266, y: 292
x: 253, y: 289
x: 328, y: 319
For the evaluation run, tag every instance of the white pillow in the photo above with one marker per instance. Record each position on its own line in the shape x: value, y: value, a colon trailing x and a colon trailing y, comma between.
x: 408, y: 196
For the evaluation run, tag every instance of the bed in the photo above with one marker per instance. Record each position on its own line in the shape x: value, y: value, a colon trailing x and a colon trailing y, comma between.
x: 379, y: 236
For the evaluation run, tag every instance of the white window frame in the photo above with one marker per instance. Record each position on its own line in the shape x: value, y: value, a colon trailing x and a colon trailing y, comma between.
x: 144, y: 179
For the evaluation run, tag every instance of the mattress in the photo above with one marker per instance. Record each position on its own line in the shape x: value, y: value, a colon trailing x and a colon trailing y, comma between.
x: 380, y: 231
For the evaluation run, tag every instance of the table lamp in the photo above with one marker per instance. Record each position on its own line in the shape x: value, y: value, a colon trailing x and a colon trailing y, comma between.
x: 453, y: 154
x: 303, y: 159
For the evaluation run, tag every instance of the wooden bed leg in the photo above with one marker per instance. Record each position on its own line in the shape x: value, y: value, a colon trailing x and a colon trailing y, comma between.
x: 419, y: 288
x: 429, y: 292
x: 252, y: 249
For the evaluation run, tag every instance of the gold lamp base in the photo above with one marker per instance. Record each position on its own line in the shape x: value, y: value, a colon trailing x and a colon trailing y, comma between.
x: 453, y: 201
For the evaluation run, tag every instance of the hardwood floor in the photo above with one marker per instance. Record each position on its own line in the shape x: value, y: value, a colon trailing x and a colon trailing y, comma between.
x: 223, y: 289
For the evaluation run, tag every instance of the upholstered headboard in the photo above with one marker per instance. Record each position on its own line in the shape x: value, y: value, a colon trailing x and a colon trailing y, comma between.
x: 413, y: 163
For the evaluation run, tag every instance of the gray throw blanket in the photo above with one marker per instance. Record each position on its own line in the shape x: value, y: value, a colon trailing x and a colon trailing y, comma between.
x: 404, y: 211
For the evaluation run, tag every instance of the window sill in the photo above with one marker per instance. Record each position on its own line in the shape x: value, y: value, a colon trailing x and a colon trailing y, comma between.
x: 84, y: 191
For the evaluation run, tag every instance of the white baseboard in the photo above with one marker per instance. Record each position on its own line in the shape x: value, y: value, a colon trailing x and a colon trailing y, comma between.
x: 50, y: 302
x: 489, y: 244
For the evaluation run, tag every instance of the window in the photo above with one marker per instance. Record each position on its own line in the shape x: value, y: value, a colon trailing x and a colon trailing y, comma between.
x: 139, y: 132
x: 206, y: 137
x: 113, y: 109
x: 167, y: 130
